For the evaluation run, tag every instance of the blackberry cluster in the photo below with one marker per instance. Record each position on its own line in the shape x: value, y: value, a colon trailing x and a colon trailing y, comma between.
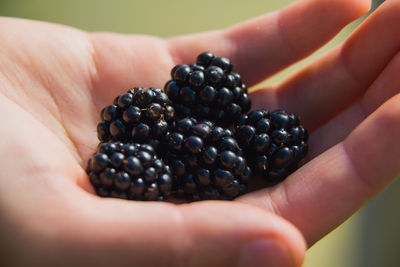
x: 129, y: 171
x: 208, y: 90
x: 141, y: 115
x: 206, y: 161
x: 195, y: 141
x: 274, y: 143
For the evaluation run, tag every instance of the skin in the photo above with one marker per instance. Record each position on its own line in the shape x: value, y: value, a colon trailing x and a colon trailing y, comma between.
x: 54, y: 81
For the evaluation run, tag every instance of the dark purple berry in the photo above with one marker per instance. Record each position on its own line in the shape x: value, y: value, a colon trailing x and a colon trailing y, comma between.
x: 278, y: 146
x: 184, y: 126
x: 224, y: 96
x: 207, y: 94
x: 109, y: 113
x: 194, y: 144
x: 209, y: 155
x: 181, y: 74
x: 117, y: 129
x: 152, y: 113
x: 122, y: 181
x: 208, y: 90
x: 175, y: 141
x: 228, y: 159
x: 279, y: 120
x: 132, y: 115
x: 172, y: 89
x: 222, y: 62
x: 203, y: 177
x: 107, y: 177
x: 117, y: 159
x: 202, y: 130
x: 103, y: 133
x: 187, y: 95
x: 129, y: 171
x: 99, y: 162
x: 125, y: 100
x: 143, y: 98
x: 280, y: 137
x: 245, y: 134
x: 261, y: 143
x: 214, y: 75
x: 283, y: 157
x: 140, y: 132
x: 196, y: 79
x: 223, y: 177
x: 204, y: 59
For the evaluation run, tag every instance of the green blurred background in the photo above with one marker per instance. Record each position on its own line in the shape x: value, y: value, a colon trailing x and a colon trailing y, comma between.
x: 370, y: 237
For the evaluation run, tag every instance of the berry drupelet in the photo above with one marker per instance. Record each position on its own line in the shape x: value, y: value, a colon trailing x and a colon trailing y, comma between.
x: 208, y: 90
x: 129, y: 171
x: 274, y: 143
x: 206, y: 161
x: 141, y: 115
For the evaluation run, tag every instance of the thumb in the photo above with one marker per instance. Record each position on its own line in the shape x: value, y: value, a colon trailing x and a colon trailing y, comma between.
x: 112, y: 232
x: 199, y: 234
x: 230, y: 234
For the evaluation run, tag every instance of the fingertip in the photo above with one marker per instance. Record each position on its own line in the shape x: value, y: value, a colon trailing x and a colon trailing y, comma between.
x: 265, y: 252
x: 364, y: 5
x: 327, y: 15
x: 242, y: 234
x: 359, y: 7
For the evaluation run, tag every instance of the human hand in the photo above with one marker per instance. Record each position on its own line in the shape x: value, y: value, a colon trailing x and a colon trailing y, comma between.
x: 349, y: 101
x: 55, y: 80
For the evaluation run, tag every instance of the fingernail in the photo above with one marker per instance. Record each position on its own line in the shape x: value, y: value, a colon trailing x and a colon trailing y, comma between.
x: 265, y: 253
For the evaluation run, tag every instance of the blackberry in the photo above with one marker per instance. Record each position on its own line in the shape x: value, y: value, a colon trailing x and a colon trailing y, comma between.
x: 141, y: 115
x: 199, y: 127
x: 208, y: 90
x: 206, y: 161
x: 274, y: 143
x: 129, y: 171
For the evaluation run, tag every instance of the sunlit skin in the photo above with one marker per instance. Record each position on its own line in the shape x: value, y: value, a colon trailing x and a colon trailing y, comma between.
x: 54, y: 81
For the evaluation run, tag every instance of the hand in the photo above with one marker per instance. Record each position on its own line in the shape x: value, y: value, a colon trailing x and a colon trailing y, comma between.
x: 55, y: 80
x: 349, y: 100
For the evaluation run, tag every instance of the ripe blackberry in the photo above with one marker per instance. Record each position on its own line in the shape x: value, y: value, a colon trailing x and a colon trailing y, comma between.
x: 129, y: 171
x: 206, y: 161
x: 274, y: 143
x: 208, y: 90
x: 141, y: 115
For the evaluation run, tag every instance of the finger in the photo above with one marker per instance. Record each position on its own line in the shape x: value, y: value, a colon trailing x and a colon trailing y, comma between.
x: 337, y: 80
x: 123, y: 62
x: 124, y: 233
x: 264, y: 45
x: 330, y: 188
x: 384, y: 87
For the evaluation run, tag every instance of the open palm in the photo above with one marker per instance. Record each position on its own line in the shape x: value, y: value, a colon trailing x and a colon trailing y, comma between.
x: 55, y: 80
